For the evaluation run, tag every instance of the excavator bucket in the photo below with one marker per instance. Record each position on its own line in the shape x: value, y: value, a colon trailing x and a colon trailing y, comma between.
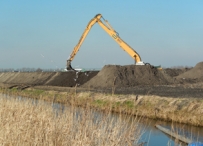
x: 68, y: 66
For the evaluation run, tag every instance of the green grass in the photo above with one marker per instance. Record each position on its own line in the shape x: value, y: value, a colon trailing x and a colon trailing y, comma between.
x: 128, y: 104
x: 100, y: 103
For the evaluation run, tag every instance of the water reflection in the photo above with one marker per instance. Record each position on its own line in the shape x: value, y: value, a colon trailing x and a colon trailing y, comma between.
x: 155, y: 136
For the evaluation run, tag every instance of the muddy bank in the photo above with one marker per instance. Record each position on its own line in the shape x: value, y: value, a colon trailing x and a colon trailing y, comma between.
x: 176, y: 91
x: 162, y: 91
x: 181, y: 110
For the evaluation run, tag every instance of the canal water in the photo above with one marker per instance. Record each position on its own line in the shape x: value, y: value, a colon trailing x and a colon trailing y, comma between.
x: 151, y: 136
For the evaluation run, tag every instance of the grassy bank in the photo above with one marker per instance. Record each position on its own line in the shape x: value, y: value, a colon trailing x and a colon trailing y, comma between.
x: 182, y: 110
x: 24, y: 122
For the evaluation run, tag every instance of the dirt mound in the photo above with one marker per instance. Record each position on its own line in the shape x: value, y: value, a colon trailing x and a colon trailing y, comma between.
x: 28, y: 78
x: 128, y: 76
x: 63, y: 79
x: 70, y: 79
x: 195, y: 73
x: 173, y: 72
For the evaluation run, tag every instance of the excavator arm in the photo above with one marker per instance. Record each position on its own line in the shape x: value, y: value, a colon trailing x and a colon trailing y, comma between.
x: 112, y: 33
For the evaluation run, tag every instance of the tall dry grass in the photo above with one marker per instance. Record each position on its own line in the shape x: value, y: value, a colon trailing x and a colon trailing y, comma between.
x: 187, y: 110
x: 23, y: 122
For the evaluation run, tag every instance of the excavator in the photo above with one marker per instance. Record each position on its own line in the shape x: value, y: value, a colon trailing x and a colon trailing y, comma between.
x: 108, y: 28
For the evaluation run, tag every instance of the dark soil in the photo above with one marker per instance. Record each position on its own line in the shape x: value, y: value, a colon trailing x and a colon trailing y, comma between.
x: 159, y: 90
x: 173, y: 72
x: 195, y: 73
x: 62, y: 79
x: 71, y: 79
x: 26, y: 78
x: 129, y: 76
x: 164, y: 91
x: 129, y: 79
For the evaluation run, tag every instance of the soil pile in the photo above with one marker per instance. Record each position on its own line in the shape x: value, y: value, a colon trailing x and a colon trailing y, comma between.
x: 26, y: 78
x: 63, y: 79
x: 195, y: 73
x: 128, y: 76
x: 70, y: 79
x: 173, y: 72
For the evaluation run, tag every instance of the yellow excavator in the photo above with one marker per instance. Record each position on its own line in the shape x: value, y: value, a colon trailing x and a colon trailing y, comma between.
x: 107, y: 27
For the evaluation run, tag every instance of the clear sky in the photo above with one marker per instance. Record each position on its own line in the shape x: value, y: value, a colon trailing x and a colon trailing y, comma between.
x: 43, y: 33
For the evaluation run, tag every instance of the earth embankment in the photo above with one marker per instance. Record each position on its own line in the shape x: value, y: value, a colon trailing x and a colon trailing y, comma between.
x: 195, y: 73
x: 62, y: 79
x: 132, y: 76
x: 129, y: 76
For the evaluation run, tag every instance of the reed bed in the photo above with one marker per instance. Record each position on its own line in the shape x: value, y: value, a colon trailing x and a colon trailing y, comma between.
x: 31, y: 122
x: 187, y: 110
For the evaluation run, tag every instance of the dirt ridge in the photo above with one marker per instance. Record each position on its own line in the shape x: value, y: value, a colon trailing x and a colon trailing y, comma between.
x: 129, y: 76
x: 194, y: 73
x: 63, y: 79
x: 109, y: 76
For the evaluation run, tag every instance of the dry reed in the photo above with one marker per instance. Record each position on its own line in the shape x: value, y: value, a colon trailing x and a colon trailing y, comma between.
x: 27, y: 122
x: 187, y: 110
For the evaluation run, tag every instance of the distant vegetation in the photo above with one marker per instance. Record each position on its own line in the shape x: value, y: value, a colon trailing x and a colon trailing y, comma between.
x: 31, y: 70
x: 43, y: 70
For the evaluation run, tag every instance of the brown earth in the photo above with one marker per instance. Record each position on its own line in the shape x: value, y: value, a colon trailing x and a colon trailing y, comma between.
x: 129, y: 79
x: 27, y: 78
x: 62, y: 79
x: 71, y: 79
x: 131, y: 76
x: 173, y: 72
x: 195, y: 73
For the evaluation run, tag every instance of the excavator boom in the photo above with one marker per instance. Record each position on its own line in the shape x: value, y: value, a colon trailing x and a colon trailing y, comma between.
x: 107, y: 27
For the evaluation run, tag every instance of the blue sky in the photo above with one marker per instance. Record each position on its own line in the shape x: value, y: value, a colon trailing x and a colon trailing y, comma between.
x: 42, y: 34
